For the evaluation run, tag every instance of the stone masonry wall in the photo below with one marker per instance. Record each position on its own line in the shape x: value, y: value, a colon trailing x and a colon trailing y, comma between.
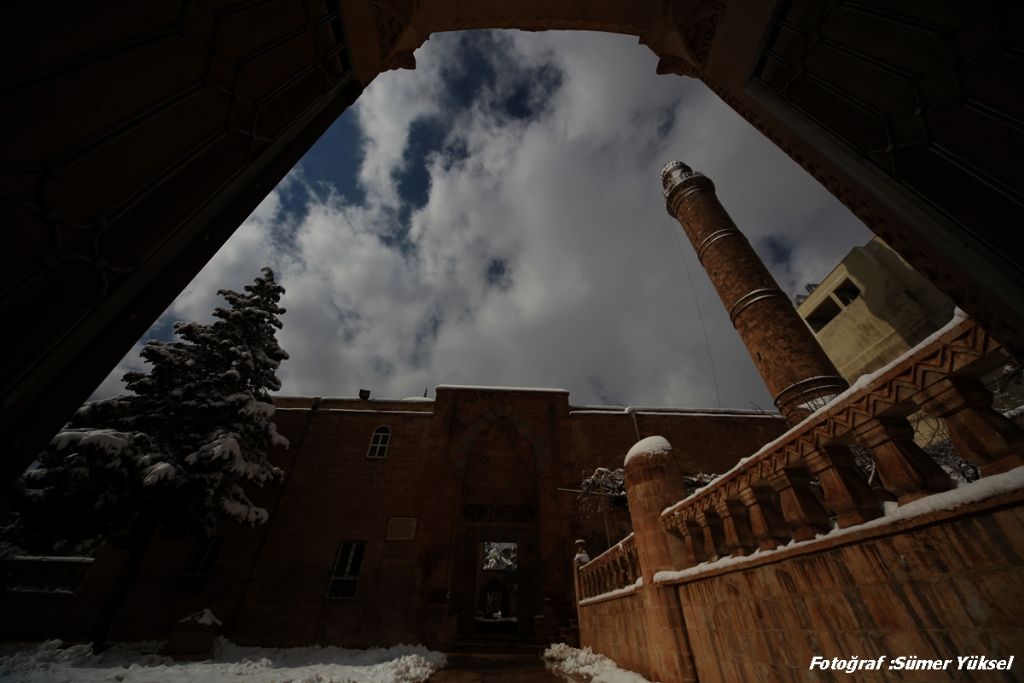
x: 616, y: 627
x: 952, y: 585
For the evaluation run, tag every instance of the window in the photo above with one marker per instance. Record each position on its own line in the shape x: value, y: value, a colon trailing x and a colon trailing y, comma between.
x: 847, y: 292
x: 500, y: 556
x: 823, y: 314
x: 379, y: 442
x: 345, y: 574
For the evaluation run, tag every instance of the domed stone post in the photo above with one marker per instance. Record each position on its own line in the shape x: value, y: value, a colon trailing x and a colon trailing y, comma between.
x: 796, y: 370
x: 653, y: 482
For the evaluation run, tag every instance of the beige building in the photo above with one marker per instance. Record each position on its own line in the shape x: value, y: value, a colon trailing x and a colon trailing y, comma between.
x: 872, y: 308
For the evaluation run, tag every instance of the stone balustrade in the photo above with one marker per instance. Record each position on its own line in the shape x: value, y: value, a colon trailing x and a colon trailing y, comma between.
x: 616, y: 568
x: 794, y: 487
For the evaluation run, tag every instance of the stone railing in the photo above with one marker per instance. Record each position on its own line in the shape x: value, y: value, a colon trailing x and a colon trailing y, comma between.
x: 38, y: 574
x: 793, y: 488
x: 615, y: 569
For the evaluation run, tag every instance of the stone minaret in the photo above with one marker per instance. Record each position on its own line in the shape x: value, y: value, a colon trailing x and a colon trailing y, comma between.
x: 797, y: 372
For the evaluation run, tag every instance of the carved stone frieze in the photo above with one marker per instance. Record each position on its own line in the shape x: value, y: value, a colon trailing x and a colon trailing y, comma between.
x: 966, y: 347
x: 390, y: 25
x: 699, y: 28
x: 490, y: 513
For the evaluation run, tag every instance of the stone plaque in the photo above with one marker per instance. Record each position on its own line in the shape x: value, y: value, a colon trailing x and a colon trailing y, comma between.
x: 401, y: 529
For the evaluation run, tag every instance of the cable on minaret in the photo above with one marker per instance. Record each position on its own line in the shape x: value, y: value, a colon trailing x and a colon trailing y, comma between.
x: 700, y: 316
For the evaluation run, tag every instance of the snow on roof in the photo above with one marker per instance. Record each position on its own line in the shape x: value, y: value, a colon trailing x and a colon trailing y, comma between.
x: 483, y: 388
x: 702, y: 412
x: 964, y: 494
x: 376, y: 412
x: 651, y: 445
x: 418, y: 398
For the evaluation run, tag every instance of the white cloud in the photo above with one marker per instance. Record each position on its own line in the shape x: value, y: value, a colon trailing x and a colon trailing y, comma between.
x: 597, y: 298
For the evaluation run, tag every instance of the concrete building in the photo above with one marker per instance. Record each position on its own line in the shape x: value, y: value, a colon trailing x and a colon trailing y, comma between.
x: 871, y: 308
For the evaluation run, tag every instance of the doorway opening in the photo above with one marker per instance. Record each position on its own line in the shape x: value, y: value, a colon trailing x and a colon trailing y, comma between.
x: 497, y: 584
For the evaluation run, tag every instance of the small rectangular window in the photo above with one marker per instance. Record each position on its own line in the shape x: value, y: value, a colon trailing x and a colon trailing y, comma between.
x: 847, y: 292
x: 345, y: 574
x: 823, y: 314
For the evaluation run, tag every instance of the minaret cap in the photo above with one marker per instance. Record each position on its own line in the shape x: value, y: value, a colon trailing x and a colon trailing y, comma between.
x: 674, y: 173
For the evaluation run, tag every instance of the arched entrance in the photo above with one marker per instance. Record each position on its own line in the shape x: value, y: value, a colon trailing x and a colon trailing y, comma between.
x: 496, y: 581
x: 140, y: 136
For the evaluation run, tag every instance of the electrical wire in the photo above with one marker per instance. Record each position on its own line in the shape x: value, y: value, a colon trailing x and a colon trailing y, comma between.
x: 700, y: 316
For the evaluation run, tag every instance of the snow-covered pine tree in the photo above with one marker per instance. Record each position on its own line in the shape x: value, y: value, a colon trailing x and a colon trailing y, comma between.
x: 207, y: 398
x: 176, y: 452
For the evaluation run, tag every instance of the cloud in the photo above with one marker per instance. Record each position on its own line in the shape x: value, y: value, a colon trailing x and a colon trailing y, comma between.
x: 512, y: 231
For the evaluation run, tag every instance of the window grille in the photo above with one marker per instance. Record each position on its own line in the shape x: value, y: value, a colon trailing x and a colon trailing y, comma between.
x: 345, y: 574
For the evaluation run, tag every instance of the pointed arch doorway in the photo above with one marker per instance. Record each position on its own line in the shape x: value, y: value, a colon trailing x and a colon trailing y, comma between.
x: 496, y: 582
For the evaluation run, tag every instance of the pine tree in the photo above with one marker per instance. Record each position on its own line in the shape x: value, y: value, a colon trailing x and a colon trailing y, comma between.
x: 176, y: 453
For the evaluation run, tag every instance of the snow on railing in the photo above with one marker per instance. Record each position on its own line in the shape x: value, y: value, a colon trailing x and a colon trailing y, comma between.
x: 807, y: 482
x: 615, y: 571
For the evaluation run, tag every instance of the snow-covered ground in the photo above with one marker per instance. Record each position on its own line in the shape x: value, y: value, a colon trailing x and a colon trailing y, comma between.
x: 51, y: 662
x: 587, y: 665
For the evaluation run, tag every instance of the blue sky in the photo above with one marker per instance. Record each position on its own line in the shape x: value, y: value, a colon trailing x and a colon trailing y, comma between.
x: 494, y: 217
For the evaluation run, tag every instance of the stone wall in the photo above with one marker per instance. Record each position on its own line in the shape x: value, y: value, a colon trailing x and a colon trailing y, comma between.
x: 938, y: 586
x: 943, y: 585
x: 617, y: 625
x: 797, y: 553
x: 268, y: 585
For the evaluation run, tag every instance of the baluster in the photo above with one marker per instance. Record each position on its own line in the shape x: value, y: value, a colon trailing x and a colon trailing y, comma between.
x: 620, y: 569
x: 693, y: 546
x: 845, y: 490
x: 711, y: 529
x: 739, y: 538
x: 979, y: 434
x: 804, y: 515
x: 634, y: 567
x: 765, y: 520
x: 906, y: 471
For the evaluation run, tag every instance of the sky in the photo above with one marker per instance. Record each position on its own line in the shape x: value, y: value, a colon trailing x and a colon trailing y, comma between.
x: 495, y: 217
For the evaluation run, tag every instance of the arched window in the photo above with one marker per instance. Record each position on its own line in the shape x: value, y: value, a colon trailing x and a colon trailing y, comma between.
x: 379, y: 442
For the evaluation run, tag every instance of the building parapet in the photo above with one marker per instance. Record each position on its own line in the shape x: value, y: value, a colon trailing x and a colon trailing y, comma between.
x: 790, y: 490
x: 613, y: 572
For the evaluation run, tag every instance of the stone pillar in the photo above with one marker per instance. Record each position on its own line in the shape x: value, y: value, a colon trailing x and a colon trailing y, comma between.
x: 797, y: 372
x: 653, y: 482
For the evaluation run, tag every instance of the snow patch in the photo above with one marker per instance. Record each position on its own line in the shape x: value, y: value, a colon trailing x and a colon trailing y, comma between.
x: 108, y: 440
x: 204, y: 616
x: 625, y: 590
x: 587, y: 665
x: 652, y: 445
x: 51, y: 662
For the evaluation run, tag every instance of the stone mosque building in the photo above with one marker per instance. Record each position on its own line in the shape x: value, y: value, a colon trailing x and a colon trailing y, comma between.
x: 830, y: 532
